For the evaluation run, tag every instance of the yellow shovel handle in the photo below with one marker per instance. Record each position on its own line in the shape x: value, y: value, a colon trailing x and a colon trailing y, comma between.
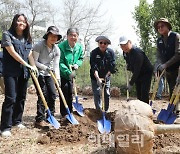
x: 156, y: 85
x: 39, y: 90
x: 59, y: 89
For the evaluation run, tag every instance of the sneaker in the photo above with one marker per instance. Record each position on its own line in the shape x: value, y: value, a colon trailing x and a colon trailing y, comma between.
x: 42, y: 125
x: 6, y: 133
x: 20, y: 126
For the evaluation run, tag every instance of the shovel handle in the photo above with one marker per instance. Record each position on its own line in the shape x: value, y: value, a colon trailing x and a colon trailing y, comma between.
x: 39, y: 90
x: 177, y: 95
x: 74, y: 82
x: 59, y: 89
x: 156, y: 85
x: 127, y: 82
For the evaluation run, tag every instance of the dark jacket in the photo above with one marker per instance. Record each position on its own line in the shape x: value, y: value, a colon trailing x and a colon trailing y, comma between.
x: 10, y: 66
x: 167, y: 52
x: 138, y: 64
x: 102, y: 62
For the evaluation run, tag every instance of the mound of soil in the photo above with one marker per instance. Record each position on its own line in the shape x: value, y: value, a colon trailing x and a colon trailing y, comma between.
x: 80, y: 133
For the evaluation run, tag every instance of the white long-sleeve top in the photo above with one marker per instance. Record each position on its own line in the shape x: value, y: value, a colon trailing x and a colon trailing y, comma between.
x: 45, y: 57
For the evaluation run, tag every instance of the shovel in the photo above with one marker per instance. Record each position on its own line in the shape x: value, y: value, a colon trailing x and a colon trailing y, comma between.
x: 79, y: 108
x: 69, y: 116
x: 172, y: 116
x: 104, y: 126
x: 50, y: 118
x: 155, y: 90
x: 165, y: 114
x: 127, y: 82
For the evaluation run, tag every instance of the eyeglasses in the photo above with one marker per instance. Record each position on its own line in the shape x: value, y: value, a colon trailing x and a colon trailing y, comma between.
x: 160, y: 26
x: 105, y: 43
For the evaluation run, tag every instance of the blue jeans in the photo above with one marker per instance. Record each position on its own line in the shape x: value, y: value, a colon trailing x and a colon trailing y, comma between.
x: 160, y: 88
x: 13, y: 105
x: 97, y: 94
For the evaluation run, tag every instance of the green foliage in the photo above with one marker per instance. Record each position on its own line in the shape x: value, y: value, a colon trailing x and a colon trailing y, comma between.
x: 171, y: 11
x: 143, y: 16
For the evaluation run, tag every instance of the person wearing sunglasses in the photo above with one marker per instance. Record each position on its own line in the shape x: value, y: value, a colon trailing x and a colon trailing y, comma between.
x: 168, y: 51
x: 140, y: 66
x: 102, y: 63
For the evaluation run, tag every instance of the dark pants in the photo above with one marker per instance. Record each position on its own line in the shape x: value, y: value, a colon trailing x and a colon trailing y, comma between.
x: 13, y: 105
x: 143, y: 87
x: 171, y: 77
x: 49, y: 92
x: 66, y: 87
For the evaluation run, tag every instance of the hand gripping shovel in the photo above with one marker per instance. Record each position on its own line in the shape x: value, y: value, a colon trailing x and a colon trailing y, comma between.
x: 167, y: 116
x: 50, y: 118
x: 104, y: 126
x: 155, y: 90
x: 79, y: 108
x: 69, y: 116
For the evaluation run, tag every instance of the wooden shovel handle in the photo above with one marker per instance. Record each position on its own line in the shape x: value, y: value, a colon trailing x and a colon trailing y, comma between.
x: 127, y: 82
x: 59, y: 89
x: 156, y: 85
x: 39, y: 90
x: 177, y: 95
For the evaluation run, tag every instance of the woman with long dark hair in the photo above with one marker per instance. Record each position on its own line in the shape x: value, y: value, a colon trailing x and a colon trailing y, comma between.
x: 16, y: 44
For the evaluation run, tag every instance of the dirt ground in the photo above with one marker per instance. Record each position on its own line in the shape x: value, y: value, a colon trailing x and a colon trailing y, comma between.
x: 69, y: 139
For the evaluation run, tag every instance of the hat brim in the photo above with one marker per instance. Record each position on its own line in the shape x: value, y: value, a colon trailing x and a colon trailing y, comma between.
x: 46, y: 34
x: 123, y: 42
x: 103, y: 38
x: 158, y: 21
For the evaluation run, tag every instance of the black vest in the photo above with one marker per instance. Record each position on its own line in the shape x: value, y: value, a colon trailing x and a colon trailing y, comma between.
x: 168, y: 51
x: 11, y: 67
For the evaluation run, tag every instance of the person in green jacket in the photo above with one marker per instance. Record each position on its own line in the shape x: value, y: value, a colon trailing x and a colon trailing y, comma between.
x: 71, y: 56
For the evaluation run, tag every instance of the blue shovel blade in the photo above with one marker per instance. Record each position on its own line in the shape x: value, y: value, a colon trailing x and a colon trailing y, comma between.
x: 52, y: 120
x: 79, y: 108
x: 100, y: 124
x: 161, y: 115
x: 172, y: 117
x: 71, y: 118
x: 104, y: 126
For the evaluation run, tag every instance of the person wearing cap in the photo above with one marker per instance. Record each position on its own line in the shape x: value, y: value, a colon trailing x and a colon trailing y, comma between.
x: 71, y: 56
x: 46, y: 55
x: 102, y: 65
x: 168, y: 51
x: 140, y: 66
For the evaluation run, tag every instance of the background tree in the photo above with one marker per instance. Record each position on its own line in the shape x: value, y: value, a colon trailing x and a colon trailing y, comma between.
x: 39, y: 12
x: 88, y: 18
x: 143, y: 16
x: 8, y: 8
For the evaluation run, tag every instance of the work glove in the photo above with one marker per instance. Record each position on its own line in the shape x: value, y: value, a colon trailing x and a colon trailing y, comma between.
x: 162, y: 67
x: 48, y: 69
x: 72, y: 75
x: 129, y: 87
x: 32, y: 69
x: 75, y: 67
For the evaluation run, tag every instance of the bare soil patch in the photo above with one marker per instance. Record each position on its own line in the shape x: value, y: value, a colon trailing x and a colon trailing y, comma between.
x: 83, y: 138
